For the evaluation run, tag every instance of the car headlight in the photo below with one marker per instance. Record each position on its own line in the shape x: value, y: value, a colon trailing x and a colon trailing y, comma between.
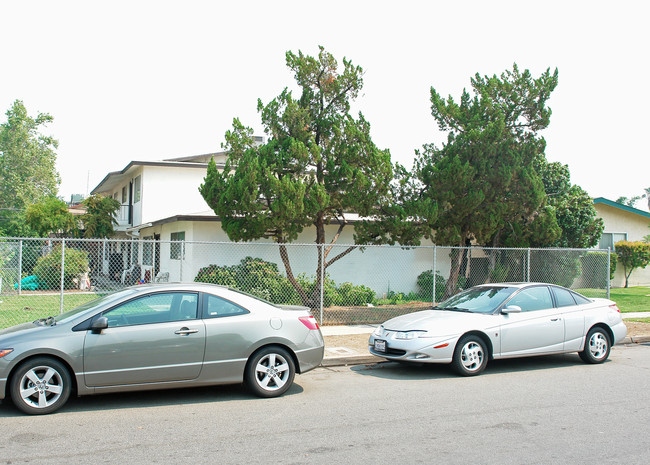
x: 410, y: 334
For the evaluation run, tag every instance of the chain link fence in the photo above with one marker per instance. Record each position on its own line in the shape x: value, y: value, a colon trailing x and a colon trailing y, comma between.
x: 342, y: 284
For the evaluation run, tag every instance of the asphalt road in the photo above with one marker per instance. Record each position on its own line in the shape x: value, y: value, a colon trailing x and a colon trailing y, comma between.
x: 540, y: 410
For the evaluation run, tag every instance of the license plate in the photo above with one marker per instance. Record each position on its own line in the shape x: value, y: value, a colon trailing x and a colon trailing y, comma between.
x: 380, y: 345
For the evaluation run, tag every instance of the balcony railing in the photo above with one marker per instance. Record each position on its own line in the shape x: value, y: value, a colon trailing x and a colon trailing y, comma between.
x: 124, y: 215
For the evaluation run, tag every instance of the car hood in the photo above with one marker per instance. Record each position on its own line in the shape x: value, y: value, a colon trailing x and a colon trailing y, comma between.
x: 439, y: 322
x: 18, y: 330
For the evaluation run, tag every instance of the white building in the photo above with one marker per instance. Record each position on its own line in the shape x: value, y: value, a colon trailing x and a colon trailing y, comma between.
x: 163, y: 209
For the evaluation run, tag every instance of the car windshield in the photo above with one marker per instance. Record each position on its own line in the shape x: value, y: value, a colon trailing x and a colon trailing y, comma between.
x: 93, y: 303
x: 477, y: 299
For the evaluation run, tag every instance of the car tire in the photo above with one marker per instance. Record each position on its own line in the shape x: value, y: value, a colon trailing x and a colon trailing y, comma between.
x: 470, y: 356
x: 270, y: 372
x: 40, y: 386
x: 597, y: 346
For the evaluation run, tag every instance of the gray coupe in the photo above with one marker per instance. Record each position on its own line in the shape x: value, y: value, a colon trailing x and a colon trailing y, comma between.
x: 158, y: 337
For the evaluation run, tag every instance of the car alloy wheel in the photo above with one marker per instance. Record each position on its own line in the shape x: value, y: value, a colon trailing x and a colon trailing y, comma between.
x: 597, y: 346
x: 270, y: 372
x: 470, y: 356
x: 40, y: 386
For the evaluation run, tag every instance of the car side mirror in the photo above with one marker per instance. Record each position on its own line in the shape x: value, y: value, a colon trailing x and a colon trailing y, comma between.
x: 511, y: 309
x: 99, y: 324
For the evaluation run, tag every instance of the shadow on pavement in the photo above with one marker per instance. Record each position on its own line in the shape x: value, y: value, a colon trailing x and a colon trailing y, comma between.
x: 424, y: 371
x: 156, y: 398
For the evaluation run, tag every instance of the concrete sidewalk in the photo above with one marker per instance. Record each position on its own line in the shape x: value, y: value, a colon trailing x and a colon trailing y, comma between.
x: 344, y: 344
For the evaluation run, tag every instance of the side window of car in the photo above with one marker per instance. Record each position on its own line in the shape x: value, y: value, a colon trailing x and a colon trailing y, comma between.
x: 154, y: 308
x: 580, y: 300
x: 218, y: 307
x: 533, y: 298
x: 563, y: 297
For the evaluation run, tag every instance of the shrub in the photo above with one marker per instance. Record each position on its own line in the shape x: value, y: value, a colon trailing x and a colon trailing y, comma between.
x: 554, y: 268
x: 594, y: 265
x: 349, y: 294
x: 425, y: 285
x: 215, y: 274
x: 264, y: 280
x: 252, y: 275
x: 48, y: 268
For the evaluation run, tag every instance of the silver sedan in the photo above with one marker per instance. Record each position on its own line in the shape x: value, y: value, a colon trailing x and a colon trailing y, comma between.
x: 157, y: 337
x: 495, y: 321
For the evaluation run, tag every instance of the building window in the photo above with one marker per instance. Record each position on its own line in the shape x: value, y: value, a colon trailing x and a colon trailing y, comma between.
x: 137, y: 188
x: 124, y: 195
x: 607, y: 240
x: 177, y: 246
x: 147, y: 251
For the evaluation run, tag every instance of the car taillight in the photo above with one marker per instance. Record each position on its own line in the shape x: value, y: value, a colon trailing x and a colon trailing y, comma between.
x: 615, y: 307
x: 309, y: 321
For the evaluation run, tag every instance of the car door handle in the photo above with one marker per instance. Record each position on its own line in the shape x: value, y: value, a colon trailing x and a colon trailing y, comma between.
x: 555, y: 319
x: 186, y: 331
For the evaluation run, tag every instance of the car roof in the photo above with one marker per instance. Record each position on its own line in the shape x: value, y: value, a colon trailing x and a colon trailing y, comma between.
x: 516, y: 285
x: 176, y: 286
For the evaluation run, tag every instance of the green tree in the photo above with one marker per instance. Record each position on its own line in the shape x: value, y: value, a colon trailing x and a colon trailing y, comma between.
x: 481, y: 185
x: 27, y: 167
x: 630, y: 202
x: 51, y: 215
x: 99, y: 220
x: 318, y: 164
x: 573, y: 208
x: 632, y: 255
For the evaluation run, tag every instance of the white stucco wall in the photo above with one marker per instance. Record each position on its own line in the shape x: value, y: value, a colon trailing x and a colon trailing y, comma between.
x: 169, y: 191
x: 383, y: 269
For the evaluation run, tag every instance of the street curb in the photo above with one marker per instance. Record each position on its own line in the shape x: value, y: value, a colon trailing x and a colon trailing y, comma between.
x: 636, y: 340
x: 350, y: 360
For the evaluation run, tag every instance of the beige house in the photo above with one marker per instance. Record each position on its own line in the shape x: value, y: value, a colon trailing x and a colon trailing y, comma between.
x: 623, y: 223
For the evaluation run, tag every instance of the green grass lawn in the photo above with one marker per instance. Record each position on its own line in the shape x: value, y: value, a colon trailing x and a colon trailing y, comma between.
x: 639, y: 320
x: 16, y: 309
x: 632, y: 299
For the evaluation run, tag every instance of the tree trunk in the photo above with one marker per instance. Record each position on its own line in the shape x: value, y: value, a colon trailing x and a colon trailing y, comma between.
x: 452, y: 283
x: 284, y: 255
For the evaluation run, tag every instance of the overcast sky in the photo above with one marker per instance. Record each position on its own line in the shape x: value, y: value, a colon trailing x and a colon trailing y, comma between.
x: 148, y: 80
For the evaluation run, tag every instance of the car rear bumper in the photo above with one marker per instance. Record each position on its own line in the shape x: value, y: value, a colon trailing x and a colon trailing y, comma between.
x: 308, y: 359
x: 620, y: 331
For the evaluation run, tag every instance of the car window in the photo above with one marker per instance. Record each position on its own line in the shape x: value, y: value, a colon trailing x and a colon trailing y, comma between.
x: 482, y: 299
x: 563, y: 297
x: 532, y: 298
x: 218, y: 307
x: 580, y: 299
x: 154, y: 308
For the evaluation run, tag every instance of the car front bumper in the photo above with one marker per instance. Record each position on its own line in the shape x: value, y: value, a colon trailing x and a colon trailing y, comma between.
x: 423, y: 350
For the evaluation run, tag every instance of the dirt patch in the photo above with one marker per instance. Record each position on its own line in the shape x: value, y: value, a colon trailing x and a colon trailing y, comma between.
x: 355, y: 342
x: 368, y: 315
x: 635, y: 329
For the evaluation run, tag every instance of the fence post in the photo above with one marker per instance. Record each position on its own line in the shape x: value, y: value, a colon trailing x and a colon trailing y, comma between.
x: 435, y: 251
x: 62, y: 273
x: 322, y: 281
x: 20, y: 267
x: 528, y: 267
x: 609, y: 269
